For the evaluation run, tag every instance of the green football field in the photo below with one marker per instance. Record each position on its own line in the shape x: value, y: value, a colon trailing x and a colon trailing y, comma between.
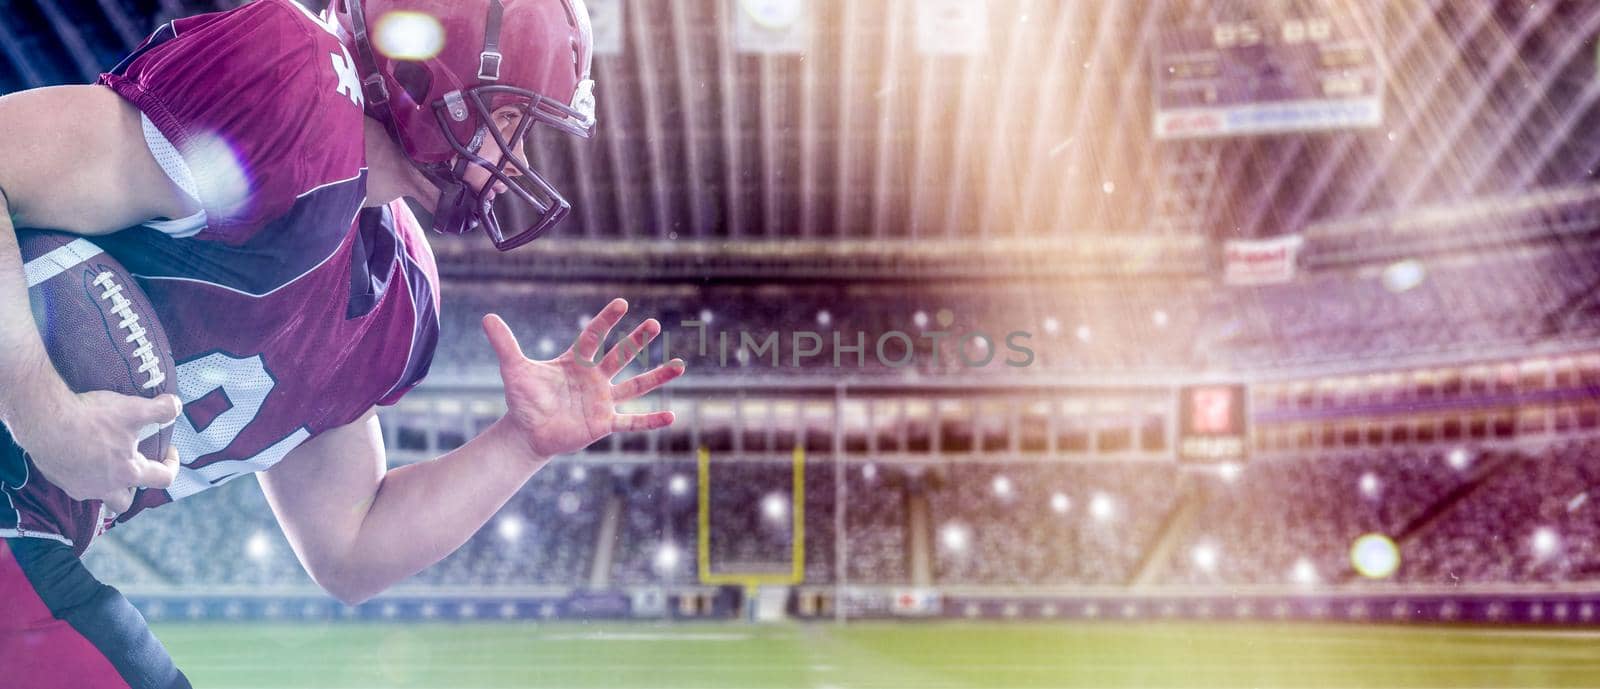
x: 919, y: 656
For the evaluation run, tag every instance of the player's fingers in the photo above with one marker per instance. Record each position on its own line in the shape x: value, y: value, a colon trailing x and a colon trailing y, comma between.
x: 627, y: 423
x: 155, y: 474
x: 643, y: 383
x: 624, y: 353
x: 159, y: 410
x: 119, y: 501
x: 171, y: 458
x: 599, y: 328
x: 501, y: 338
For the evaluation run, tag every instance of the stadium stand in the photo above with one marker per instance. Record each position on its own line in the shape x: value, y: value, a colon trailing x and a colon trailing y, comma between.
x: 1078, y: 524
x: 1291, y: 521
x: 1493, y: 517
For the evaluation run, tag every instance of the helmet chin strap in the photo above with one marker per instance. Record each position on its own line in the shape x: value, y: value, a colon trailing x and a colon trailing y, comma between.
x: 377, y: 94
x: 447, y: 216
x: 455, y: 211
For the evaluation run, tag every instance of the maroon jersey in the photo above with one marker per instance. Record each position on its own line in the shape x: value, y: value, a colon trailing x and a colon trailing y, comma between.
x: 290, y: 309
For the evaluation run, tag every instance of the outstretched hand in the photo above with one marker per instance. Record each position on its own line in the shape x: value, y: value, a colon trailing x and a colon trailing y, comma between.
x: 564, y: 404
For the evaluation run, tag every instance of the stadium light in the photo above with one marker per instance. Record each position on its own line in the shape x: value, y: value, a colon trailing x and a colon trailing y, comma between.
x: 1002, y: 487
x: 1375, y: 556
x: 667, y: 557
x: 509, y: 527
x: 678, y: 485
x: 1060, y: 503
x: 1051, y: 325
x: 1402, y: 276
x: 1369, y: 485
x: 1205, y: 557
x: 920, y: 318
x: 568, y: 503
x: 578, y: 473
x: 1228, y: 471
x: 1546, y: 542
x: 1084, y: 333
x: 1101, y: 507
x: 955, y: 537
x: 1304, y: 572
x: 258, y: 548
x: 824, y: 318
x: 774, y: 507
x: 547, y: 346
x: 706, y: 315
x: 869, y: 471
x: 1459, y: 459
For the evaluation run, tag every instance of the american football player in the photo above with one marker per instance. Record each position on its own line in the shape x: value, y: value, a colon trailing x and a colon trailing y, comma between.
x: 248, y: 167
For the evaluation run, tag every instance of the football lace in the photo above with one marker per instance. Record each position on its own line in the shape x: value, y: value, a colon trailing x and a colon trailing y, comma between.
x: 149, y: 363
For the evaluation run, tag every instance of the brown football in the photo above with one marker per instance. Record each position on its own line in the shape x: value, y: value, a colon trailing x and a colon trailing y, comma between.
x: 97, y: 324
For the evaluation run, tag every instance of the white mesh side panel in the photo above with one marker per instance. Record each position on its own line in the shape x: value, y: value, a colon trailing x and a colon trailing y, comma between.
x: 178, y: 171
x: 182, y: 227
x: 167, y: 157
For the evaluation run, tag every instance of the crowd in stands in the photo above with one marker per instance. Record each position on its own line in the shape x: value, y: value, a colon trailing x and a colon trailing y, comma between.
x: 1079, y: 329
x: 544, y: 536
x: 751, y: 523
x: 1480, y: 517
x: 1532, y: 521
x: 1293, y: 520
x: 223, y: 537
x: 1509, y: 299
x: 1423, y: 308
x: 1071, y: 523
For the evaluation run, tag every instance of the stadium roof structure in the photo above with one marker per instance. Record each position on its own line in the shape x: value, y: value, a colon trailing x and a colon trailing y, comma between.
x: 1043, y: 131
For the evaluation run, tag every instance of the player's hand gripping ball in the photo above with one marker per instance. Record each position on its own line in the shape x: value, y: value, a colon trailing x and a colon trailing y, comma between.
x: 103, y: 337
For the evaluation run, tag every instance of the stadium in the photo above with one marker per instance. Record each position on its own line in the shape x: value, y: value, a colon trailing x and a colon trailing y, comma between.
x: 1029, y: 343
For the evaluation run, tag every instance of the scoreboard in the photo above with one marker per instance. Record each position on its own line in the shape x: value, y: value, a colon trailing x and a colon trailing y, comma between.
x: 1213, y: 424
x: 1261, y: 76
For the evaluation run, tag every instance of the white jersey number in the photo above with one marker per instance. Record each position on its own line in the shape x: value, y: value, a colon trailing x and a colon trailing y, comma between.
x: 246, y: 383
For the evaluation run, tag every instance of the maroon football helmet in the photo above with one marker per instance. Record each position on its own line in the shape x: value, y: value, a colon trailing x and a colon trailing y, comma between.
x: 484, y: 55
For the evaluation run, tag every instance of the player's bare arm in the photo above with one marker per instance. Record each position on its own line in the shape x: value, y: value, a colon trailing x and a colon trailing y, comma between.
x: 75, y: 159
x: 358, y: 528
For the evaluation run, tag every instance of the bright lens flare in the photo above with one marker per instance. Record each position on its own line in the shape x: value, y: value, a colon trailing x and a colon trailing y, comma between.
x: 1375, y: 556
x: 403, y: 35
x: 1404, y: 275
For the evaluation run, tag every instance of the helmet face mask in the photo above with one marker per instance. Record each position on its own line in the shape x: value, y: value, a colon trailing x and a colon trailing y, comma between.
x: 532, y: 55
x: 529, y: 205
